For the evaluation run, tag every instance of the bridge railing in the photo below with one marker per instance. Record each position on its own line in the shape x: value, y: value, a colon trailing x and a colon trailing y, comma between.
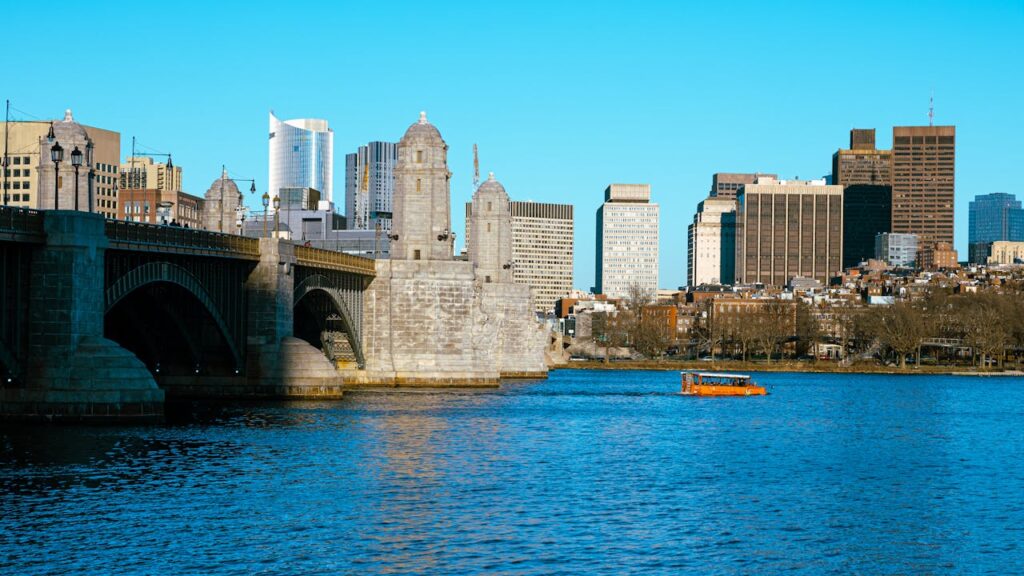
x: 309, y: 256
x: 138, y: 235
x: 20, y: 221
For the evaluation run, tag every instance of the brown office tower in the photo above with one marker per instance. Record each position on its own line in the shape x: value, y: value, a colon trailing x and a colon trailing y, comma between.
x: 922, y: 188
x: 865, y: 173
x: 726, y: 184
x: 786, y: 229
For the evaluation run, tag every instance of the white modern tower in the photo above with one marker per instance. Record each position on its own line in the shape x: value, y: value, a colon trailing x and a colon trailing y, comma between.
x: 301, y: 156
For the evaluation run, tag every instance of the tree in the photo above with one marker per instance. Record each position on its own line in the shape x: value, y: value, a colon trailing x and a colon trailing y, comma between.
x: 599, y: 331
x: 707, y: 330
x: 808, y: 329
x: 901, y: 329
x: 775, y: 325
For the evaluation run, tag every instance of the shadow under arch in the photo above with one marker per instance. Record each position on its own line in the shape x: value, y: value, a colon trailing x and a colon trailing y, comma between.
x: 317, y: 284
x: 154, y: 273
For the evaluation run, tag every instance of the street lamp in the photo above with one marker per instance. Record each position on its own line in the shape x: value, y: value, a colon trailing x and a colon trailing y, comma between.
x: 266, y: 204
x: 76, y: 161
x: 277, y: 220
x: 57, y: 155
x: 92, y: 175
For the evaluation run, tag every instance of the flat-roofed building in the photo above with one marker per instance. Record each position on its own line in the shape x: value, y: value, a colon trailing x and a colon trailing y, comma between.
x: 143, y: 172
x: 924, y: 159
x: 711, y: 246
x: 937, y: 256
x: 787, y: 228
x: 728, y: 184
x: 1004, y: 252
x: 627, y: 241
x: 25, y: 170
x: 894, y: 249
x: 865, y: 173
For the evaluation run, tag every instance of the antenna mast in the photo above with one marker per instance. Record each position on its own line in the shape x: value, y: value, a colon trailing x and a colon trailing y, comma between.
x: 476, y: 169
x: 931, y: 109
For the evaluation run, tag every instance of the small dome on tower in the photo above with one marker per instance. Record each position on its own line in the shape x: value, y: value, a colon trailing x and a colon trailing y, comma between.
x: 422, y: 129
x: 68, y: 130
x: 491, y: 185
x: 222, y: 187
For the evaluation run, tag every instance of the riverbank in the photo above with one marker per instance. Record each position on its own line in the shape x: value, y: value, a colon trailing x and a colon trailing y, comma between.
x: 782, y: 366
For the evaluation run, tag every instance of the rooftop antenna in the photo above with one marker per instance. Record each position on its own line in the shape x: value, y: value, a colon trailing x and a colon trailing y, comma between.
x: 476, y: 169
x: 931, y: 109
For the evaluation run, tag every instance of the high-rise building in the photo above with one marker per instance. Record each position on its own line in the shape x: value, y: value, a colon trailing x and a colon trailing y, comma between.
x: 865, y: 173
x: 788, y: 228
x: 370, y: 185
x: 301, y: 156
x: 627, y: 241
x: 937, y: 256
x: 542, y: 249
x: 711, y: 247
x: 898, y: 250
x: 142, y: 172
x: 28, y: 156
x: 924, y: 159
x: 728, y: 184
x: 993, y: 217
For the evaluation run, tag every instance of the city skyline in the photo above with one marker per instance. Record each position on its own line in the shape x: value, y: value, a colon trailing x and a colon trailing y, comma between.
x: 588, y: 125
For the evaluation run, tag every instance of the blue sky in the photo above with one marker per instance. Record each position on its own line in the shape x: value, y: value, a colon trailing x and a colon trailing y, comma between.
x: 562, y: 98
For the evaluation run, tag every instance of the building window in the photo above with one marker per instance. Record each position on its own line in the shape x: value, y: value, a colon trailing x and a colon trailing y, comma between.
x: 25, y: 197
x: 17, y: 197
x: 25, y: 172
x: 415, y: 254
x: 419, y: 156
x: 24, y: 159
x: 419, y: 185
x: 487, y: 279
x: 488, y: 206
x: 488, y: 226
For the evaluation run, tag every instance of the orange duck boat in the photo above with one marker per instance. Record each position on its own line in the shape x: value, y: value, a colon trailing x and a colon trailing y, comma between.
x: 719, y: 384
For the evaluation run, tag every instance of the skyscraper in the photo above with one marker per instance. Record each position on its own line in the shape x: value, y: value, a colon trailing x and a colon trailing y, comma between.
x: 923, y: 182
x: 627, y: 241
x: 788, y: 228
x: 711, y: 249
x: 301, y: 156
x: 993, y: 217
x: 370, y: 185
x: 865, y: 173
x: 727, y: 184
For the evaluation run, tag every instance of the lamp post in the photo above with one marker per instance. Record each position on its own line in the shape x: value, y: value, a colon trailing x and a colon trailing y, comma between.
x: 91, y: 178
x: 57, y: 155
x: 277, y: 220
x: 223, y: 178
x: 266, y: 204
x: 76, y: 161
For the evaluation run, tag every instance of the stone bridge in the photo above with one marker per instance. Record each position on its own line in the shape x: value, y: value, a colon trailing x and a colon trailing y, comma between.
x: 105, y: 318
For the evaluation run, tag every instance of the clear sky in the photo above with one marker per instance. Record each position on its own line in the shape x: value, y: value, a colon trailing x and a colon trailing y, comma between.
x: 562, y: 98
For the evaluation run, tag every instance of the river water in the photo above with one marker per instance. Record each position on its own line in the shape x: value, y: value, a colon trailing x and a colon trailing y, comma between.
x: 585, y: 473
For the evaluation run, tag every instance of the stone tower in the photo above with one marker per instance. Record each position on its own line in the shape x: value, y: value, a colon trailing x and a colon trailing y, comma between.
x: 221, y: 205
x: 69, y: 135
x: 422, y: 218
x: 490, y: 248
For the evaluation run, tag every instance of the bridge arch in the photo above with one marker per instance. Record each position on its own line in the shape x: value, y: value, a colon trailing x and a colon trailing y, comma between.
x: 167, y: 272
x: 318, y: 283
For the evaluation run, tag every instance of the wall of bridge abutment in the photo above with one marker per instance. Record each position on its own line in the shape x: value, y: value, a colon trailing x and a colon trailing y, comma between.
x: 72, y: 372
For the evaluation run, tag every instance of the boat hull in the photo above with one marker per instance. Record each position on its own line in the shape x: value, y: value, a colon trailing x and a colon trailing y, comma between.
x: 708, y: 390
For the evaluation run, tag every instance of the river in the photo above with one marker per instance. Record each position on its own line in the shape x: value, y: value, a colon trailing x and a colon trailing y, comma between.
x: 586, y: 473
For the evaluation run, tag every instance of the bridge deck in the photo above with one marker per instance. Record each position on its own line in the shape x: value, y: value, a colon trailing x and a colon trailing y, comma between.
x: 320, y: 258
x: 21, y: 225
x: 136, y: 236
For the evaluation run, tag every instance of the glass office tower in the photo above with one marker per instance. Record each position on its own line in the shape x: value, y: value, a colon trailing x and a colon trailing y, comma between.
x: 301, y: 156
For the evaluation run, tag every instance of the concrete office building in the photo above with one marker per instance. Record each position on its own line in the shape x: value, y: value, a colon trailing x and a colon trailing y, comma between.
x: 142, y: 173
x: 728, y: 184
x: 711, y: 246
x: 924, y: 159
x: 28, y: 157
x: 627, y: 241
x: 1005, y: 253
x: 542, y: 249
x: 992, y: 218
x: 865, y: 173
x: 301, y: 156
x: 370, y: 186
x: 897, y: 250
x: 788, y: 228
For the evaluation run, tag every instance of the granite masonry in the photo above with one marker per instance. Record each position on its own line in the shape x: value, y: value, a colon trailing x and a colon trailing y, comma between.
x: 435, y: 321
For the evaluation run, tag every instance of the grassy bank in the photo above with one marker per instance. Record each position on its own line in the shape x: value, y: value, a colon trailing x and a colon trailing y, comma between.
x: 775, y: 366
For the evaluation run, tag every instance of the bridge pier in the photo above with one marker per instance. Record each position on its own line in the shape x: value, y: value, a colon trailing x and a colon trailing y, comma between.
x: 278, y: 364
x: 73, y: 373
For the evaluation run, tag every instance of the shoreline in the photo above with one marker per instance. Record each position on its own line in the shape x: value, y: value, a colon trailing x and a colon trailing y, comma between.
x: 783, y: 366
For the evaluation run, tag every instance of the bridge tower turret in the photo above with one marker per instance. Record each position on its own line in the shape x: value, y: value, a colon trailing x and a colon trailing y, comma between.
x: 421, y: 229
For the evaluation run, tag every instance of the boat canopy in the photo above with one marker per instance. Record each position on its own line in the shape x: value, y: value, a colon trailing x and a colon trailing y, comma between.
x: 719, y: 375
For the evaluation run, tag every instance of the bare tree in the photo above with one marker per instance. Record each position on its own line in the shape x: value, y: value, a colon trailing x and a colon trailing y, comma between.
x: 901, y: 329
x: 775, y: 326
